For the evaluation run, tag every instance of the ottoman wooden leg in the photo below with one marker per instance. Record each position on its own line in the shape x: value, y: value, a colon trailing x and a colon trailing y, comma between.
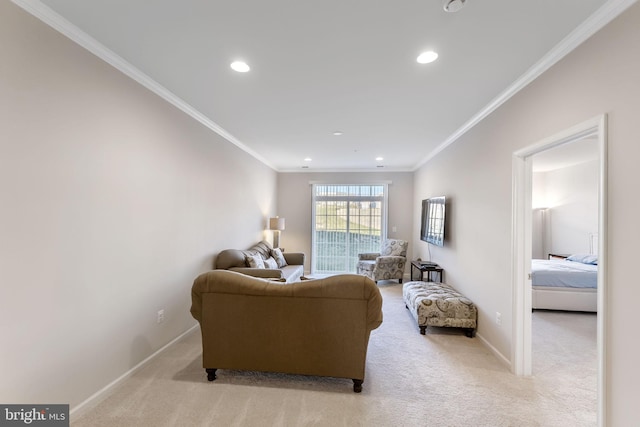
x: 423, y: 330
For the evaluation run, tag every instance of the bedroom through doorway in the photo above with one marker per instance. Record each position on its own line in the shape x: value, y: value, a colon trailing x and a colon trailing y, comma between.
x: 564, y: 271
x: 557, y: 240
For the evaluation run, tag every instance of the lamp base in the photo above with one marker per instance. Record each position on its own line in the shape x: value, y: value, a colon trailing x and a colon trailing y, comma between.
x: 276, y: 238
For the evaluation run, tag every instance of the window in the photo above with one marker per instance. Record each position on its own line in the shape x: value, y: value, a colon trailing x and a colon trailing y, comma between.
x: 347, y: 220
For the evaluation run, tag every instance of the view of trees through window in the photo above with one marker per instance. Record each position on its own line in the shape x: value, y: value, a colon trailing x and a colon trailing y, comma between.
x: 347, y: 220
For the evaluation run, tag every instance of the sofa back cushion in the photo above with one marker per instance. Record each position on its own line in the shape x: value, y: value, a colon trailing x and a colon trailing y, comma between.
x: 263, y: 249
x: 236, y: 258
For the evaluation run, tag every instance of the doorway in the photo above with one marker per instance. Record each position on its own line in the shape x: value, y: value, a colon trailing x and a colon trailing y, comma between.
x: 522, y: 246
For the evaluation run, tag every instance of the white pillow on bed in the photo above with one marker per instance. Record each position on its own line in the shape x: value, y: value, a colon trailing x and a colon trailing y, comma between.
x: 584, y: 259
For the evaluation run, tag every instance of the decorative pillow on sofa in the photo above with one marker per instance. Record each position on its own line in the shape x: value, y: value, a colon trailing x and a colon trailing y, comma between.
x: 255, y: 261
x: 276, y: 253
x: 270, y: 263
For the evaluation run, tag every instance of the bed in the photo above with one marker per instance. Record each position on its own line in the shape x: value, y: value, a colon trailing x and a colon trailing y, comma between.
x: 565, y: 284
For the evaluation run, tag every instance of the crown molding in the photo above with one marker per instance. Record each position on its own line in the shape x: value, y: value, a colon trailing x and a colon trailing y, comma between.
x: 589, y: 27
x: 594, y: 23
x: 66, y: 28
x: 347, y: 170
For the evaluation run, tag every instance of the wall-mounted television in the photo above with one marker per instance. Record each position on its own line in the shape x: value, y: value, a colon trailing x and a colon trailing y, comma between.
x: 433, y: 220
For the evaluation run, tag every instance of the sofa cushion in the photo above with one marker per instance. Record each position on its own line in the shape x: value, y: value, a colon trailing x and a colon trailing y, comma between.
x: 270, y: 263
x: 255, y: 261
x: 292, y: 273
x: 277, y: 255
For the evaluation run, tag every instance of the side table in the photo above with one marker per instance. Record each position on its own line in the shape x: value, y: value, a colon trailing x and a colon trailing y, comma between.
x: 429, y: 268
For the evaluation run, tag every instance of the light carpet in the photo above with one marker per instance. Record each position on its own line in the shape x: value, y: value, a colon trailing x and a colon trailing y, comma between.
x: 439, y: 379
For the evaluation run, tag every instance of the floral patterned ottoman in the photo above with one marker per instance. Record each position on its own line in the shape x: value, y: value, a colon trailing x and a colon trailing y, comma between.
x: 438, y: 304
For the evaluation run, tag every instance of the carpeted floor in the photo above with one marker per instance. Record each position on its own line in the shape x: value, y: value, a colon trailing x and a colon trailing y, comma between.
x: 439, y: 379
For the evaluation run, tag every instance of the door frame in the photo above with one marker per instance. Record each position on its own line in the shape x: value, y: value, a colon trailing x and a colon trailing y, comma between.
x: 522, y: 248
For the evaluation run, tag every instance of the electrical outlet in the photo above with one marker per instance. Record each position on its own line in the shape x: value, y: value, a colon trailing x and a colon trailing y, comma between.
x: 498, y: 318
x: 160, y: 316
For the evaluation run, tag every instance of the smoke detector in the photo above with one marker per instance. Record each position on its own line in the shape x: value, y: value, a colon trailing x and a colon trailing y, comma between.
x: 453, y: 5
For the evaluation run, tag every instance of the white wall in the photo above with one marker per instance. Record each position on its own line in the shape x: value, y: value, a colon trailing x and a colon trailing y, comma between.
x: 601, y: 76
x: 571, y: 197
x: 294, y: 204
x: 112, y: 202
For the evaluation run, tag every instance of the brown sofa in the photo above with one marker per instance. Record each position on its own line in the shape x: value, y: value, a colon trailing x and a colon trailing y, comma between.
x: 315, y: 327
x: 236, y: 260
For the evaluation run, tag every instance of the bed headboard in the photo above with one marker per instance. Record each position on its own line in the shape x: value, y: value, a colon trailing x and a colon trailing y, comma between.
x: 593, y: 243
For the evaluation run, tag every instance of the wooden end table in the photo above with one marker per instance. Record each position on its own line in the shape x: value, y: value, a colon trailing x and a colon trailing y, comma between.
x: 429, y: 268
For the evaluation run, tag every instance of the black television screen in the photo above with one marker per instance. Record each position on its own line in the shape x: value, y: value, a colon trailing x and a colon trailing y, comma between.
x: 433, y: 219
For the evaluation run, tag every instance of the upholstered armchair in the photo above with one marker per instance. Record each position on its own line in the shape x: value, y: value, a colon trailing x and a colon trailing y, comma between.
x: 386, y: 265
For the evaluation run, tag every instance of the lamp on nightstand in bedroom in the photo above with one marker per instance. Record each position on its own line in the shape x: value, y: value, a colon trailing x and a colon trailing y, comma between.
x: 277, y: 225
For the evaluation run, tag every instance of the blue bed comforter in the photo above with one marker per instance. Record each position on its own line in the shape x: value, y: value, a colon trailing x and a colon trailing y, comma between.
x: 563, y: 273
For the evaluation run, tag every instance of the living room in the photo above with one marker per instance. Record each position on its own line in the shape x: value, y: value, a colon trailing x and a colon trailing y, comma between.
x: 115, y: 200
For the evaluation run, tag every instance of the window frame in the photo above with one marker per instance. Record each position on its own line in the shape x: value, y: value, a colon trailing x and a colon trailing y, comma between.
x: 314, y: 199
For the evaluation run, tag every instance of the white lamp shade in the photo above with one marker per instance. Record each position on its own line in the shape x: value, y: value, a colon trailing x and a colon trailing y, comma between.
x: 276, y: 223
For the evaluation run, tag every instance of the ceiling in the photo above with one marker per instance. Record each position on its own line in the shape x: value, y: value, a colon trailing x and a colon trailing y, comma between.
x: 318, y: 67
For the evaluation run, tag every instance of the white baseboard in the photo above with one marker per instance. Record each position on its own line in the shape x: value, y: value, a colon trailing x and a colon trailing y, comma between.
x: 101, y: 394
x: 495, y: 351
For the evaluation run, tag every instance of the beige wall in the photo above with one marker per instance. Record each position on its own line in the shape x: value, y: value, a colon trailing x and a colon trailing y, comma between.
x: 601, y: 76
x: 294, y: 204
x: 112, y: 202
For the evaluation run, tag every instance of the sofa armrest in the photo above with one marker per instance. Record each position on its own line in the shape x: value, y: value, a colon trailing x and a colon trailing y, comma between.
x: 368, y: 256
x: 294, y: 258
x: 264, y: 273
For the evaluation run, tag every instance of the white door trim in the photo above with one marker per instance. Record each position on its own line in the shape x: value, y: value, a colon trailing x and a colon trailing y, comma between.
x: 521, y: 248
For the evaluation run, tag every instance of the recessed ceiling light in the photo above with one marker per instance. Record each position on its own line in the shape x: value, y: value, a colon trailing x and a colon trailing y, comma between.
x: 240, y: 66
x: 307, y: 159
x: 453, y: 5
x: 379, y: 159
x: 427, y: 57
x: 337, y: 133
